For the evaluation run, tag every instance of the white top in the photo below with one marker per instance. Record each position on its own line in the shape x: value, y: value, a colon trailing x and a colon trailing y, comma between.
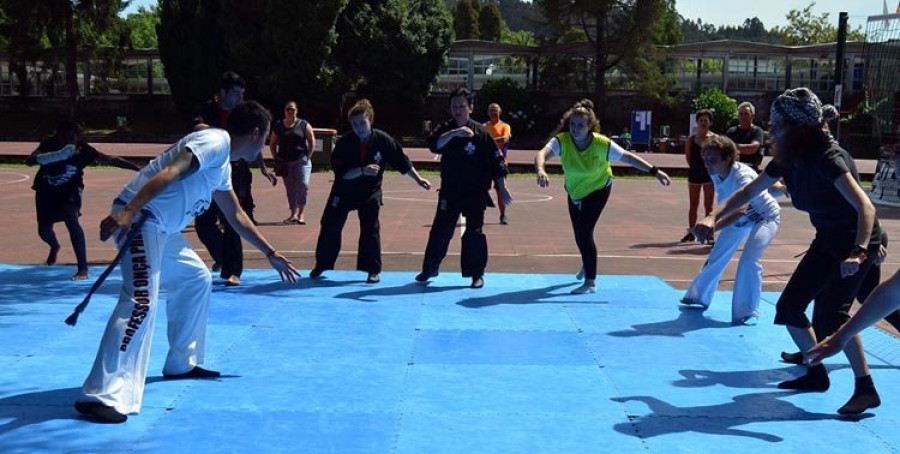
x: 177, y: 205
x: 762, y: 207
x: 615, y: 151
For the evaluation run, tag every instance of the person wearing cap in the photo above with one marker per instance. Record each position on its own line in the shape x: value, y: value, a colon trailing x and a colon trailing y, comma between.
x: 823, y: 181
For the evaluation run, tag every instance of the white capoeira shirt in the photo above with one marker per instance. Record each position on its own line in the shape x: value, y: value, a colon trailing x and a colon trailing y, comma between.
x: 762, y: 208
x: 177, y: 205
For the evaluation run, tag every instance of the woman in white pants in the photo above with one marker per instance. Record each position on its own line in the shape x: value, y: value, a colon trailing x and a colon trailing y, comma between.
x: 757, y: 223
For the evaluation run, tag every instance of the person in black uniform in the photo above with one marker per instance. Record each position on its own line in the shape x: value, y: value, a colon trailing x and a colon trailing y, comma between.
x: 225, y: 246
x: 823, y: 181
x: 469, y: 161
x: 358, y: 162
x: 58, y: 186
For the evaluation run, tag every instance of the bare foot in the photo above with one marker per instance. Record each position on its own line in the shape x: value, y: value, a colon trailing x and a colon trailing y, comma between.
x: 51, y: 257
x: 80, y: 275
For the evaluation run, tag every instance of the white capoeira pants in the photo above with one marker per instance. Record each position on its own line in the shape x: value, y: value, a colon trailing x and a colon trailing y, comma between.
x: 153, y: 259
x: 748, y: 277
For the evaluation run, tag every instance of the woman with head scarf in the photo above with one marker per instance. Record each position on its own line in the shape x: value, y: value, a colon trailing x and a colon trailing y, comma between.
x: 823, y: 181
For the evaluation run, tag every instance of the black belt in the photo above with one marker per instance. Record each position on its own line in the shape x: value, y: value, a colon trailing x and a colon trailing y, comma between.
x: 135, y: 228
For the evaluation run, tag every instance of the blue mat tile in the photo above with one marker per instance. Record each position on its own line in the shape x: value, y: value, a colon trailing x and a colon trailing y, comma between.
x: 336, y: 365
x: 273, y: 431
x: 525, y: 389
x: 521, y: 433
x: 500, y: 347
x: 546, y: 317
x: 345, y: 344
x: 278, y: 382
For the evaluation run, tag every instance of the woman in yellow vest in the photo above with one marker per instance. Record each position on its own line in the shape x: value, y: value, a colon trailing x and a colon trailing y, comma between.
x: 586, y: 155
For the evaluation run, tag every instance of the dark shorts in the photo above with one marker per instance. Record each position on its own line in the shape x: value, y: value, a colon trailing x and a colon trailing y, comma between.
x: 698, y: 175
x: 56, y: 206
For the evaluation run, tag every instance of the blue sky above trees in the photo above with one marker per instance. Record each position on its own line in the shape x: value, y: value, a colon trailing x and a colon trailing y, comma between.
x: 733, y: 12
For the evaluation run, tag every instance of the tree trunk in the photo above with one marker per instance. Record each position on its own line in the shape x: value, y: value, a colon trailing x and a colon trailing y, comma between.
x: 71, y: 61
x: 600, y: 70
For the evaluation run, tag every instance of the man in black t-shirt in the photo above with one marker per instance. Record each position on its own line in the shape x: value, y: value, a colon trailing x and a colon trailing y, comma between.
x: 224, y: 245
x: 747, y: 136
x: 469, y: 161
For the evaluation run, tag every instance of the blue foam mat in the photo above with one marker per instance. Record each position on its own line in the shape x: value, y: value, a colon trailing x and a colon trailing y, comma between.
x: 337, y: 365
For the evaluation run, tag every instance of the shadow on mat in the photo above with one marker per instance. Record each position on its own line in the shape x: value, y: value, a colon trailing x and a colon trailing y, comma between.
x: 767, y: 378
x: 23, y: 410
x: 720, y: 419
x: 532, y: 296
x: 413, y: 288
x: 276, y: 285
x: 687, y: 321
x: 47, y: 284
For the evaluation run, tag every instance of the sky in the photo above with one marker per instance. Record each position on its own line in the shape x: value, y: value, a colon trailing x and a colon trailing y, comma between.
x: 733, y: 12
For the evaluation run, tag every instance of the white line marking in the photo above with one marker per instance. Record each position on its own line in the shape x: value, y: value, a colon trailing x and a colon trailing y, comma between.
x: 22, y: 178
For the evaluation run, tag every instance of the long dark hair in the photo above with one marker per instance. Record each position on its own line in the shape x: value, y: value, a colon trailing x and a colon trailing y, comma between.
x: 803, y: 142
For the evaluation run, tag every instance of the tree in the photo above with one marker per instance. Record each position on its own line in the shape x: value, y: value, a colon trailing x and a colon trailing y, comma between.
x: 465, y: 21
x: 282, y: 47
x: 622, y: 34
x: 72, y: 26
x: 141, y: 28
x: 191, y: 49
x: 522, y: 16
x: 804, y: 28
x: 393, y: 49
x: 490, y: 23
x: 724, y: 108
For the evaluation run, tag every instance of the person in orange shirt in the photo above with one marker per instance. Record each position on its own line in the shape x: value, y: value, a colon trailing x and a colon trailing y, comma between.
x: 501, y: 132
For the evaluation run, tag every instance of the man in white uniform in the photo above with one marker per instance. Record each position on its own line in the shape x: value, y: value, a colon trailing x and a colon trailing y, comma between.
x: 167, y: 194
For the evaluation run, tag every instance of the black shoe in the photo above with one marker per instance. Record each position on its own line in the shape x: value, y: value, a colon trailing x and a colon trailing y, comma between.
x: 97, y: 412
x: 196, y: 372
x: 373, y: 278
x: 316, y: 272
x: 688, y: 238
x: 424, y: 276
x: 477, y: 282
x: 711, y: 240
x: 792, y: 358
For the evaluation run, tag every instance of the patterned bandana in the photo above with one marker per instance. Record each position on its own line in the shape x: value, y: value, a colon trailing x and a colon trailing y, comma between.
x: 801, y: 106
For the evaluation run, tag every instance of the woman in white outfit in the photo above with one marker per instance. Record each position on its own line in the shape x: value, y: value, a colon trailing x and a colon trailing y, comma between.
x: 757, y: 223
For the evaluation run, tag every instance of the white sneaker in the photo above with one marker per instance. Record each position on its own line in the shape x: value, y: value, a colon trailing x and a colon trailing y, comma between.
x: 580, y: 274
x: 584, y: 289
